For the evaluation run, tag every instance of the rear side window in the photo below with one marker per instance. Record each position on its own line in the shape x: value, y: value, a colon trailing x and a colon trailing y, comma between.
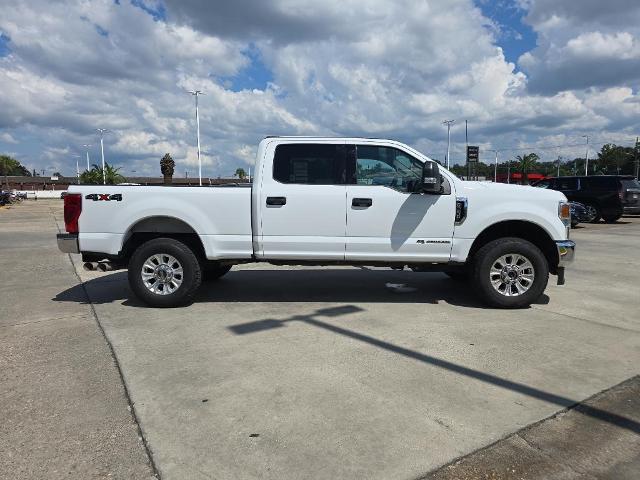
x: 599, y: 183
x: 309, y: 163
x: 566, y: 184
x: 543, y: 184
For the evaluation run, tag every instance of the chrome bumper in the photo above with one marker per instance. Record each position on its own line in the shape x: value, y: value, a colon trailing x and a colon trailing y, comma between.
x: 566, y: 252
x: 68, y: 242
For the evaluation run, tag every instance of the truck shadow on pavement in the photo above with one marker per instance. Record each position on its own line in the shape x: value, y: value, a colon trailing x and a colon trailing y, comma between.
x: 315, y: 320
x: 347, y: 285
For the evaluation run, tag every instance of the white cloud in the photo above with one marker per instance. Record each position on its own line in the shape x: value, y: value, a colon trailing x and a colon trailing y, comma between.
x: 361, y: 67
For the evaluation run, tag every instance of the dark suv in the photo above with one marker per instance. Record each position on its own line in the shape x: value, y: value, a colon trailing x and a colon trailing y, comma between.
x: 604, y: 196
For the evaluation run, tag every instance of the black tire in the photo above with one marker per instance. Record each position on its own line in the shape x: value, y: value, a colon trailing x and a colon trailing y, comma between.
x: 191, y: 272
x: 213, y: 271
x: 488, y: 256
x: 612, y: 219
x: 593, y: 213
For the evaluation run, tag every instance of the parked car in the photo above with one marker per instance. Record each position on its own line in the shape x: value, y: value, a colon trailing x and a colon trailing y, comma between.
x: 604, y: 196
x: 579, y: 214
x: 313, y: 202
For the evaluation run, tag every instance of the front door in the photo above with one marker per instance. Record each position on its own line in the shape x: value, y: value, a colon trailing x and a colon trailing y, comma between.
x: 302, y: 208
x: 385, y: 221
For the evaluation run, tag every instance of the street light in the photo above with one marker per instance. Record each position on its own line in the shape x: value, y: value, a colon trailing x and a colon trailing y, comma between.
x: 102, y: 131
x: 495, y: 168
x: 448, y: 123
x: 77, y: 167
x: 86, y: 146
x: 586, y: 157
x: 195, y: 93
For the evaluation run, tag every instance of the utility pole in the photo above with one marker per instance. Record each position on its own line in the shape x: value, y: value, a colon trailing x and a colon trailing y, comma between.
x: 195, y: 93
x: 558, y: 162
x: 637, y: 158
x: 102, y: 132
x: 586, y: 157
x: 448, y: 123
x: 495, y: 168
x: 508, y: 171
x: 86, y: 146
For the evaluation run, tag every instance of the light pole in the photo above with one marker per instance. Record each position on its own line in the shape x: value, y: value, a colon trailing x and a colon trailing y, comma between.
x: 195, y: 93
x: 86, y: 146
x: 78, y: 167
x: 495, y: 167
x: 102, y: 132
x: 448, y: 123
x: 586, y: 157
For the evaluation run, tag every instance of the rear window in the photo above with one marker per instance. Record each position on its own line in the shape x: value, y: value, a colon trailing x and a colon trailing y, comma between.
x: 311, y: 164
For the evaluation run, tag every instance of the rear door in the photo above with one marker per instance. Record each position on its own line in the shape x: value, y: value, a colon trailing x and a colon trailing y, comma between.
x: 385, y: 221
x: 302, y: 209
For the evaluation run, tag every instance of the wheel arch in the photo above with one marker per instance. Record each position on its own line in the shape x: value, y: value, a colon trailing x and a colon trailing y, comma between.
x: 158, y: 226
x: 530, y: 231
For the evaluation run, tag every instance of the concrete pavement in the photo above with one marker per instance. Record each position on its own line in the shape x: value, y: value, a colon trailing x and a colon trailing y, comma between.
x: 64, y: 413
x: 326, y: 373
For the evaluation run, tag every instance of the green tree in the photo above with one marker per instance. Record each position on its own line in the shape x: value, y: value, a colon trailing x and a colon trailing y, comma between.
x: 614, y: 159
x: 94, y: 176
x: 167, y: 167
x: 240, y: 173
x: 526, y: 163
x: 11, y: 166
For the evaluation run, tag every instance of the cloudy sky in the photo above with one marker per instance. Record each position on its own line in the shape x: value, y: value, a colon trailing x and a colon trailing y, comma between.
x: 522, y: 72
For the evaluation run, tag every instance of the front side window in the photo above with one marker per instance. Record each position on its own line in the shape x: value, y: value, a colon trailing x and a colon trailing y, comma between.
x: 309, y: 163
x: 566, y: 184
x: 543, y: 184
x: 387, y: 166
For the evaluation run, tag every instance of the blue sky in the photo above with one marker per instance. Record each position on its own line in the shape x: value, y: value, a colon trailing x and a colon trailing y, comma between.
x: 339, y: 67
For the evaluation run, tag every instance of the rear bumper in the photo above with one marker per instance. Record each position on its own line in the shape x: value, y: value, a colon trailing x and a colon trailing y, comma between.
x: 566, y: 252
x: 68, y: 242
x: 635, y: 210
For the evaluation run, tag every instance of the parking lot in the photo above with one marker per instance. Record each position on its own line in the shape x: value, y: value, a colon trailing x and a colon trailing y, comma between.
x: 282, y: 372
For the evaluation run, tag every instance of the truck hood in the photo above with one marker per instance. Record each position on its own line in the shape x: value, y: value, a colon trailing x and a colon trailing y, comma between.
x: 504, y: 191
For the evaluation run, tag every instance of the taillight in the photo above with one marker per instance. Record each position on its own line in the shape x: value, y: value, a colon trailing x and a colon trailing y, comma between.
x: 72, y: 210
x: 620, y: 194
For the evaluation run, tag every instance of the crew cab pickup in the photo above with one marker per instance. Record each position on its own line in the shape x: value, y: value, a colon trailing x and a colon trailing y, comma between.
x: 325, y: 201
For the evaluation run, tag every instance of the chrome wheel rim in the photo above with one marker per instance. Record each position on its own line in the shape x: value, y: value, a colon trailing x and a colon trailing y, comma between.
x: 512, y: 275
x: 591, y: 213
x: 162, y: 274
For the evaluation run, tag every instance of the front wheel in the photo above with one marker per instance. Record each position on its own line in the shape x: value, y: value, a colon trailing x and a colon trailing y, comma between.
x: 593, y: 213
x: 164, y: 272
x: 510, y: 273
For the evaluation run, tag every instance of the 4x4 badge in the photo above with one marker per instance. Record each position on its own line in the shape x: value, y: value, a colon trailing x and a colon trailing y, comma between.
x: 104, y: 197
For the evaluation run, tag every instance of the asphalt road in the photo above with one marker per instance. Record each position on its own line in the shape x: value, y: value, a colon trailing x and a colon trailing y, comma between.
x: 328, y: 373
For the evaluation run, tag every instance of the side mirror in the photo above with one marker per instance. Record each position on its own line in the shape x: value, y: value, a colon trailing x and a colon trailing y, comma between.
x: 431, y: 181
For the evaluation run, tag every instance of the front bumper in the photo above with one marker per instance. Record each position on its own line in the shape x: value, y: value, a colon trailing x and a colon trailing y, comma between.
x: 68, y: 242
x: 566, y: 252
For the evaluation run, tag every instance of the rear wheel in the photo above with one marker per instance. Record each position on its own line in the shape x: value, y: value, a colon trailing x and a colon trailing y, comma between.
x: 164, y: 272
x: 593, y: 213
x: 510, y: 272
x: 612, y: 218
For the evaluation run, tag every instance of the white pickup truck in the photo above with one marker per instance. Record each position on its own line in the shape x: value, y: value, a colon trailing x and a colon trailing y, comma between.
x: 325, y: 201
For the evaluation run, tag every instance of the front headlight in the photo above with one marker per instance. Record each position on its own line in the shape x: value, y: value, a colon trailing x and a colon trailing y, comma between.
x: 564, y: 213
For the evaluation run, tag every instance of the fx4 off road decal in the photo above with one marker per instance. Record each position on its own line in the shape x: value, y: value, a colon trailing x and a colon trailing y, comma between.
x: 104, y: 197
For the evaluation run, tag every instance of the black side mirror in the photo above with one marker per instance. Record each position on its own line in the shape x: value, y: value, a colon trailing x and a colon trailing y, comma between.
x: 431, y: 181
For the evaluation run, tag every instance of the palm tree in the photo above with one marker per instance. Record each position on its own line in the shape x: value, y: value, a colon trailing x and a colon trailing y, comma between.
x: 240, y: 173
x: 94, y: 176
x: 525, y: 164
x: 167, y: 167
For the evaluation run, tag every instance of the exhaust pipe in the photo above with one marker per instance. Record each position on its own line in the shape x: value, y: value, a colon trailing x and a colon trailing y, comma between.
x: 105, y: 266
x: 89, y: 266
